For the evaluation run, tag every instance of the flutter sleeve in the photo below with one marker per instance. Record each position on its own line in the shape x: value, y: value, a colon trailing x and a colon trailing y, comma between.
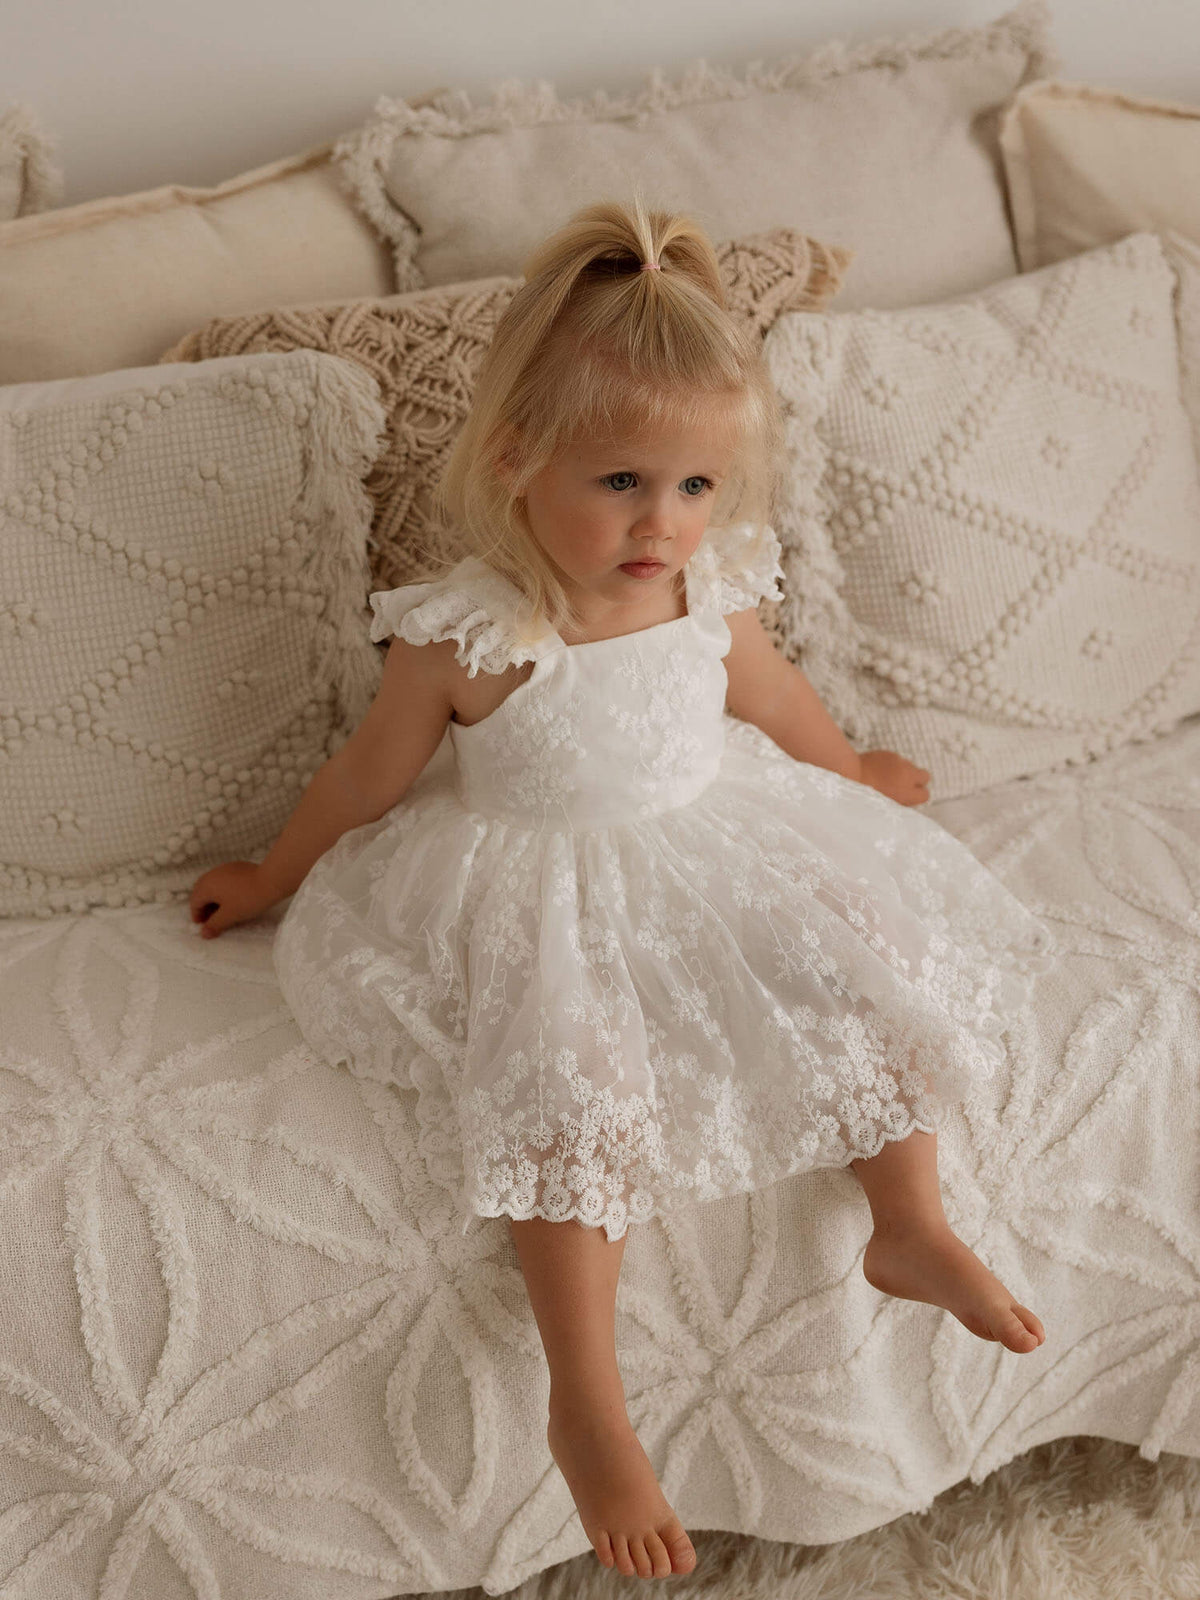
x: 475, y: 615
x: 744, y: 565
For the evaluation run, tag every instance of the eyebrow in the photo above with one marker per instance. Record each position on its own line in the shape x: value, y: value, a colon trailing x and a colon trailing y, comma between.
x: 624, y: 464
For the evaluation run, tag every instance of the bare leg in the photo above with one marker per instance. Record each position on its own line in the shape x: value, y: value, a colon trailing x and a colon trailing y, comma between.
x: 571, y: 1276
x: 915, y: 1255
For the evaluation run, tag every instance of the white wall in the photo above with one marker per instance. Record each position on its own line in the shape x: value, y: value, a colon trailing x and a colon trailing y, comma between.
x: 145, y: 92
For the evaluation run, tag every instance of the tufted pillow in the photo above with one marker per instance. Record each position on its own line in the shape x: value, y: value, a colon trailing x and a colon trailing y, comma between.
x: 184, y: 581
x: 991, y: 521
x: 888, y: 146
x: 425, y: 350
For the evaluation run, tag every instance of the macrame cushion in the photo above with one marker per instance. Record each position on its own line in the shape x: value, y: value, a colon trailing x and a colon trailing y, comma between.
x: 425, y: 350
x: 888, y: 147
x: 990, y: 520
x: 183, y: 569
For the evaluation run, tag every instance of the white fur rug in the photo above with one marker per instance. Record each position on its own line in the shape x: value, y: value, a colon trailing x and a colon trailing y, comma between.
x: 1077, y: 1519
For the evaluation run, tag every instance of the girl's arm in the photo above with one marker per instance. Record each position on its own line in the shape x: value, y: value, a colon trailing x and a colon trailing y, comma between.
x: 770, y: 691
x: 371, y: 772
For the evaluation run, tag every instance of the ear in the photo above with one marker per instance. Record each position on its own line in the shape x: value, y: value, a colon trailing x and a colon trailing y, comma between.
x: 505, y: 460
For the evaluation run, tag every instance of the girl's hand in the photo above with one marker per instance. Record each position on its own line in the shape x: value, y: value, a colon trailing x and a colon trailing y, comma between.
x: 232, y: 892
x: 895, y: 776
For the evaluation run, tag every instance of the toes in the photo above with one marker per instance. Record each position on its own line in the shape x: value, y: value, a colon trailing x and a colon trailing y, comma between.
x: 604, y: 1550
x: 1031, y: 1322
x: 1015, y: 1335
x: 683, y: 1559
x: 641, y: 1561
x: 659, y: 1555
x: 679, y: 1547
x: 625, y: 1564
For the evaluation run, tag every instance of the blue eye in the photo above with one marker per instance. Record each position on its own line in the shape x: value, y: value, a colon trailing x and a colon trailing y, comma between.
x: 701, y: 483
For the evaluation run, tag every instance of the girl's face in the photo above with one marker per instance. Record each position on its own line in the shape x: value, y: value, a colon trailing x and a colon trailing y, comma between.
x: 644, y: 498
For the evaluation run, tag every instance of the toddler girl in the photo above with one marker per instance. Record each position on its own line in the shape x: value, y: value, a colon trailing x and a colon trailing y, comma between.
x: 630, y: 951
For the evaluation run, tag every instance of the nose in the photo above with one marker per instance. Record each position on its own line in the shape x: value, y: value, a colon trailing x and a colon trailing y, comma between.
x: 653, y: 522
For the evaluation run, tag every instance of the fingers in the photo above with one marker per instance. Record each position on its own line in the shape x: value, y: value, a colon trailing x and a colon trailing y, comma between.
x: 208, y: 919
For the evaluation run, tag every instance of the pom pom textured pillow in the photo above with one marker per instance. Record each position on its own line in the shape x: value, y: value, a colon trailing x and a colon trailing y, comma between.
x: 991, y: 521
x: 888, y: 147
x: 425, y: 350
x: 184, y: 575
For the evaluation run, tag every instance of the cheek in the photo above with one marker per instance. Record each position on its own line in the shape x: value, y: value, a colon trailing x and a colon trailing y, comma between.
x: 601, y: 530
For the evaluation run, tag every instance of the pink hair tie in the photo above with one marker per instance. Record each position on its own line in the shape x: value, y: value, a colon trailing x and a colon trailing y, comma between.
x: 650, y: 266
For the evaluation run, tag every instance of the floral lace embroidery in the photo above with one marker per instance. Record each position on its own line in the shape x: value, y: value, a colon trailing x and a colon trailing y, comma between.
x: 632, y: 954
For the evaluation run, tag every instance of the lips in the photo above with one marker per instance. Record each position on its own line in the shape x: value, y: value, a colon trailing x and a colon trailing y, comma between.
x: 644, y: 566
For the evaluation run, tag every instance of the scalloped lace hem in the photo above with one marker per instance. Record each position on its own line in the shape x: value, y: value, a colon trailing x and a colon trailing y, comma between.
x: 616, y: 1218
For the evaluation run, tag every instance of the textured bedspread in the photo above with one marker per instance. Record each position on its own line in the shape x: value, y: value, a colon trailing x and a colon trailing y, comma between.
x: 230, y: 1360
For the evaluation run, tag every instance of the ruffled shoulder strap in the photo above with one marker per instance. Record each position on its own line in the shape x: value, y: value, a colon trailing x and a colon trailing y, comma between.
x: 472, y: 604
x: 738, y: 565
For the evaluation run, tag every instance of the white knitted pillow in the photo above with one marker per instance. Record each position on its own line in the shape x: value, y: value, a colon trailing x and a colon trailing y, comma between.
x: 183, y: 621
x: 991, y: 522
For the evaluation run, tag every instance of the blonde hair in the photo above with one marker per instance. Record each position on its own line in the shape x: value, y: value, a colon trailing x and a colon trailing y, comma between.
x: 592, y: 347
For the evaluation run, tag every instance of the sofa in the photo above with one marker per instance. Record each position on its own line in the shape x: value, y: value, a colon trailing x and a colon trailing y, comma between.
x: 247, y: 1344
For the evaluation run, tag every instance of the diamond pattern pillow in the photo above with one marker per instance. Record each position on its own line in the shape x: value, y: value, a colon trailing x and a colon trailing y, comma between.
x: 425, y: 351
x: 991, y: 521
x: 183, y: 637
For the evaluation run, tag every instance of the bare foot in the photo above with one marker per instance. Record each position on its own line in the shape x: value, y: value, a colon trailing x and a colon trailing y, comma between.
x: 623, y: 1510
x: 934, y: 1265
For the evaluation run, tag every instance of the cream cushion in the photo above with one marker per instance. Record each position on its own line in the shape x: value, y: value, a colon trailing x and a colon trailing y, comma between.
x: 110, y: 283
x: 31, y: 178
x: 991, y: 519
x: 425, y: 350
x: 182, y: 551
x: 1087, y: 165
x: 888, y: 148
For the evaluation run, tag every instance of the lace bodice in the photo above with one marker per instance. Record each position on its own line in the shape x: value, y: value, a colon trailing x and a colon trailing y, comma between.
x: 642, y: 957
x: 602, y: 732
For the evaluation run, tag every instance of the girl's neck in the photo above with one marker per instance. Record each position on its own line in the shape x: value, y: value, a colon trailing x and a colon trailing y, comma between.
x: 614, y: 625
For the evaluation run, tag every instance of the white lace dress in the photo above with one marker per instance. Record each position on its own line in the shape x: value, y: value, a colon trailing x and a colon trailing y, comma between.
x: 627, y: 953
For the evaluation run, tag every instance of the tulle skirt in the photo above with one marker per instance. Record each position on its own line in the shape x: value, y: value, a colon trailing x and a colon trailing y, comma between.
x: 778, y: 976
